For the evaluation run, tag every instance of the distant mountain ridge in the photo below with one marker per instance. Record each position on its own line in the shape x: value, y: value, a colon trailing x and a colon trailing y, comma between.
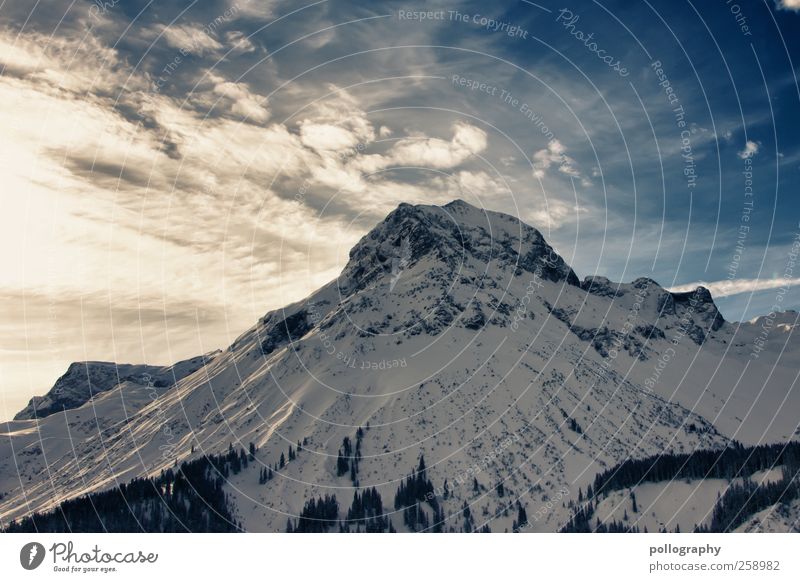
x: 84, y: 380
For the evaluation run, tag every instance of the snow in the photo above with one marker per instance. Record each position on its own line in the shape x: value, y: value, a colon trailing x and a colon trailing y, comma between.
x: 473, y: 350
x: 672, y: 504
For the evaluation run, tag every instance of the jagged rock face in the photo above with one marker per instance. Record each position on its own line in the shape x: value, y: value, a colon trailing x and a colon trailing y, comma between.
x: 284, y: 329
x: 454, y: 332
x: 602, y: 287
x: 452, y: 235
x: 699, y: 306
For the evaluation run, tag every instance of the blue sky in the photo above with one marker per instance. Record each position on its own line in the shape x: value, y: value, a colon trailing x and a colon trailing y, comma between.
x: 176, y: 169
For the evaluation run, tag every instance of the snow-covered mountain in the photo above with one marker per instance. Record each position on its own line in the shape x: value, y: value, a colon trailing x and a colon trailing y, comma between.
x: 455, y: 334
x: 84, y: 380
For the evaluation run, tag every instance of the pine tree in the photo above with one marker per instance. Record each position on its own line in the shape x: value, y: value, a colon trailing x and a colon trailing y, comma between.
x: 522, y: 516
x: 341, y: 464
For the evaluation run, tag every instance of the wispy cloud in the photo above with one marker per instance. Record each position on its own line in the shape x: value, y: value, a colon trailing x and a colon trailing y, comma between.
x: 750, y: 149
x: 788, y: 4
x: 555, y: 155
x: 190, y: 38
x: 727, y: 287
x: 434, y: 152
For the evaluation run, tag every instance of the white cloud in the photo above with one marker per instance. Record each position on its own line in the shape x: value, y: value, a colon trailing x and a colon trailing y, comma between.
x: 553, y: 213
x: 326, y: 136
x: 336, y: 123
x: 789, y: 4
x: 216, y: 96
x: 241, y: 100
x: 480, y: 184
x: 261, y: 10
x: 750, y: 148
x: 554, y: 155
x: 430, y: 152
x: 189, y: 38
x: 92, y: 67
x: 238, y: 43
x: 729, y: 287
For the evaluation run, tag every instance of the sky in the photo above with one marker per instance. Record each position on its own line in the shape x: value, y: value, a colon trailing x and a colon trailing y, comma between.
x: 173, y: 170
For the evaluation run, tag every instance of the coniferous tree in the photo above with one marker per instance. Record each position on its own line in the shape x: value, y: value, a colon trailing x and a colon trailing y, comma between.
x: 735, y: 462
x: 522, y: 516
x: 189, y: 497
x: 342, y: 466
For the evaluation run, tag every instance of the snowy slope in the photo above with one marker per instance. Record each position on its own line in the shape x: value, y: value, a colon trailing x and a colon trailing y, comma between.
x: 677, y: 504
x: 454, y: 333
x: 779, y: 518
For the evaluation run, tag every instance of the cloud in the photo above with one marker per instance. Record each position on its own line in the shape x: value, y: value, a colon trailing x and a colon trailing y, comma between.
x: 729, y: 287
x: 192, y: 39
x: 260, y: 10
x: 326, y: 136
x: 788, y: 4
x: 335, y: 123
x: 553, y: 213
x: 66, y: 67
x: 238, y: 43
x: 554, y: 155
x: 431, y: 152
x: 480, y: 184
x: 750, y: 147
x: 240, y: 100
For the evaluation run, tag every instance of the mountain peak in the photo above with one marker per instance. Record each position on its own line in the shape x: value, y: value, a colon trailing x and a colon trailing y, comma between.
x: 452, y: 236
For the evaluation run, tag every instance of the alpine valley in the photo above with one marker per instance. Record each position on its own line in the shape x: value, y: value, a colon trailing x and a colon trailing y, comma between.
x: 457, y: 376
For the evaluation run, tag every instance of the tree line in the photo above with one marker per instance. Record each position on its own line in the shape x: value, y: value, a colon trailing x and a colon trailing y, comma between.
x: 185, y: 498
